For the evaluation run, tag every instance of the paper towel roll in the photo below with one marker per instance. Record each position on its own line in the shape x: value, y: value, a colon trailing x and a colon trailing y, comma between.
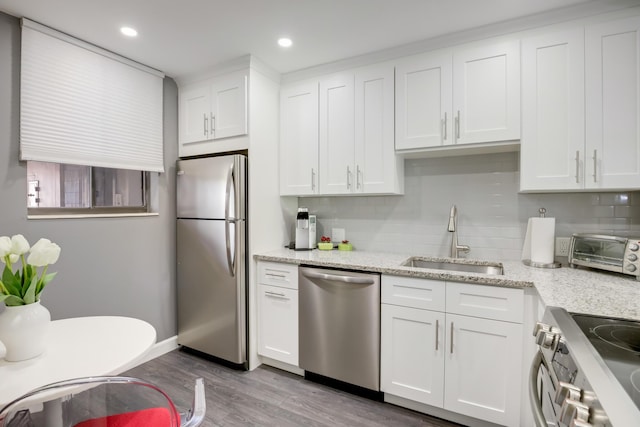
x: 539, y: 242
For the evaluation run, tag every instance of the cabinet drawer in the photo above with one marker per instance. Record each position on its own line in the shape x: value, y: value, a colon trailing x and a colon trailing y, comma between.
x: 278, y: 274
x: 410, y: 292
x: 489, y: 302
x: 278, y: 323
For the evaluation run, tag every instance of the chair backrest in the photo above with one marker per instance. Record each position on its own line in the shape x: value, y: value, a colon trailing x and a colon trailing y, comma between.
x: 101, y: 402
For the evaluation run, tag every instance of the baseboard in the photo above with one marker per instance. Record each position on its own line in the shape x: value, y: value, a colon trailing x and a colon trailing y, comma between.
x: 282, y: 365
x: 159, y: 349
x: 437, y: 412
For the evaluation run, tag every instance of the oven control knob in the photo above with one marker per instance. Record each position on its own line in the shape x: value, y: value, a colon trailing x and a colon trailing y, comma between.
x: 545, y: 339
x: 634, y: 246
x: 567, y: 391
x: 631, y: 268
x: 572, y: 411
x: 544, y: 335
x: 578, y: 423
x: 632, y: 257
x: 540, y: 327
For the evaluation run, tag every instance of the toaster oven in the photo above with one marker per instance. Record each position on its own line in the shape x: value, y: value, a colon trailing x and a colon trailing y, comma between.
x: 604, y: 252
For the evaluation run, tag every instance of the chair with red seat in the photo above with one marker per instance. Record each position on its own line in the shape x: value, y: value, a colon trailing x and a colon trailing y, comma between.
x: 102, y: 402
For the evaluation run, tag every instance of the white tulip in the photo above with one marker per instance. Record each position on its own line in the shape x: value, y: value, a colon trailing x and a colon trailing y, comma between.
x: 19, y: 245
x: 43, y: 253
x: 5, y: 246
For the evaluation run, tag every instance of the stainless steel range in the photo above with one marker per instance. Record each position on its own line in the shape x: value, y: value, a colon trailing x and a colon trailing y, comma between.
x: 586, y: 372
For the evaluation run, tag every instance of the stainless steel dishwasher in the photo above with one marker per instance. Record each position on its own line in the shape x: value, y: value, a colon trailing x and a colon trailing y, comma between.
x: 339, y: 325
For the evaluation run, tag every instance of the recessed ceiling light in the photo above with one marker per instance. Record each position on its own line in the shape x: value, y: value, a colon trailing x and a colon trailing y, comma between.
x: 128, y: 31
x: 285, y: 42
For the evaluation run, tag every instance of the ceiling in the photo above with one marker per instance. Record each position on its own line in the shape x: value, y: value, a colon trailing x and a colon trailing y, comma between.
x: 189, y: 36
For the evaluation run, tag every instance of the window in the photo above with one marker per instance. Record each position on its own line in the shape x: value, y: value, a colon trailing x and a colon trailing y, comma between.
x: 55, y: 188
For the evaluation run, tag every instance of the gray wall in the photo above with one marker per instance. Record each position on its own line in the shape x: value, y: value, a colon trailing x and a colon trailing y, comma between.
x: 108, y: 266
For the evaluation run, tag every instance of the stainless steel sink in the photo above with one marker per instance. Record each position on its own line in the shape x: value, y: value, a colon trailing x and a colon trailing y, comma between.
x: 418, y: 262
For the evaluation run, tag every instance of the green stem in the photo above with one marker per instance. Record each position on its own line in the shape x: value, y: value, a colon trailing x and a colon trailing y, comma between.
x: 24, y: 274
x: 39, y: 285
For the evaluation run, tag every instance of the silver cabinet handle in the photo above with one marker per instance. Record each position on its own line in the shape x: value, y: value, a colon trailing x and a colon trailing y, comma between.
x: 457, y: 123
x: 206, y: 124
x: 358, y: 172
x: 577, y: 166
x: 337, y: 278
x: 280, y: 276
x: 437, y: 328
x: 213, y: 125
x: 595, y: 165
x: 348, y: 177
x: 444, y: 127
x: 313, y: 180
x: 451, y: 349
x: 275, y: 294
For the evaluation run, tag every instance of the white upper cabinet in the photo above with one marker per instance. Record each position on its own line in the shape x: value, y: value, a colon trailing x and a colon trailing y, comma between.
x: 194, y: 113
x: 612, y: 150
x: 337, y: 138
x: 228, y: 106
x: 552, y: 146
x: 581, y: 115
x: 486, y: 92
x: 470, y: 94
x: 424, y: 101
x: 211, y: 110
x: 377, y: 168
x: 299, y: 139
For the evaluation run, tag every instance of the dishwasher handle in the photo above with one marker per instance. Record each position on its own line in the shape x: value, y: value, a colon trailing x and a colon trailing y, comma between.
x: 339, y: 278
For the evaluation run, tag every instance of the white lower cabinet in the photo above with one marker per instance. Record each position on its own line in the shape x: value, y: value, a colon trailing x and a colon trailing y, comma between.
x: 483, y: 368
x: 412, y: 355
x: 278, y: 312
x: 465, y: 364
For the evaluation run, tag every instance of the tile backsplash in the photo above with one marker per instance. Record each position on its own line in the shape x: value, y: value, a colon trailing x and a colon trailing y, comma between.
x: 492, y: 215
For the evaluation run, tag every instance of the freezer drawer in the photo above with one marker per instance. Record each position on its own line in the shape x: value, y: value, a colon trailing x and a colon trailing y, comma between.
x: 211, y: 301
x: 339, y: 325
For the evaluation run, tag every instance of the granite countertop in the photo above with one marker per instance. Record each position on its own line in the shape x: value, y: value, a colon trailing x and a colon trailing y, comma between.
x: 576, y: 290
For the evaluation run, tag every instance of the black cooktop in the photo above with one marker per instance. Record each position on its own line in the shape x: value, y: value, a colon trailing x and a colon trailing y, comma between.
x: 617, y: 341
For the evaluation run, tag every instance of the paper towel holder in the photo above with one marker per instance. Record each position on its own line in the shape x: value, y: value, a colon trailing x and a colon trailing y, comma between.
x: 542, y: 212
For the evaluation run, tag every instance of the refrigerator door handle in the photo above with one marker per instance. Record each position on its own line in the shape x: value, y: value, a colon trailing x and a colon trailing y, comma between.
x: 231, y: 262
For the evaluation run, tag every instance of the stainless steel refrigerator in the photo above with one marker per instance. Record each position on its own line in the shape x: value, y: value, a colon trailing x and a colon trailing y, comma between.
x: 211, y: 256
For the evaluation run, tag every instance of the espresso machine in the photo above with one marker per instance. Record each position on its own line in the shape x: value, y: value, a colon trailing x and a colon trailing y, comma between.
x: 305, y: 230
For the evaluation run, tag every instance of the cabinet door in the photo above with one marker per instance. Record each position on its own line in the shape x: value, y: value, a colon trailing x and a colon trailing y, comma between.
x: 424, y: 101
x: 412, y: 354
x: 483, y: 368
x: 194, y: 113
x: 299, y: 140
x: 337, y: 152
x: 375, y: 158
x: 613, y: 104
x: 552, y: 146
x: 486, y: 94
x: 229, y: 106
x: 278, y: 323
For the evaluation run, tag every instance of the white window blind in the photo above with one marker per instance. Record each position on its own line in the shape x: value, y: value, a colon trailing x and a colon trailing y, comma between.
x: 82, y: 105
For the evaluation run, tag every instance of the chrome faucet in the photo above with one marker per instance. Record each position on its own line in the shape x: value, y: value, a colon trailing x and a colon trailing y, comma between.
x: 453, y: 228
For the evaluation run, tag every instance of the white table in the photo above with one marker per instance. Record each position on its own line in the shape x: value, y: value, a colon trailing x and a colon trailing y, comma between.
x: 79, y: 347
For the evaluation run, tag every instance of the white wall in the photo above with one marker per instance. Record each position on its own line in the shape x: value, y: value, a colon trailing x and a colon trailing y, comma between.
x: 492, y: 215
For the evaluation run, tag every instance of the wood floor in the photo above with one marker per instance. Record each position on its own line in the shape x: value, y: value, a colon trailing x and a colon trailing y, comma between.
x: 270, y: 397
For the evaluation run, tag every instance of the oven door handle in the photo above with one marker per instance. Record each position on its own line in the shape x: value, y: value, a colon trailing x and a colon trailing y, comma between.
x: 534, y: 393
